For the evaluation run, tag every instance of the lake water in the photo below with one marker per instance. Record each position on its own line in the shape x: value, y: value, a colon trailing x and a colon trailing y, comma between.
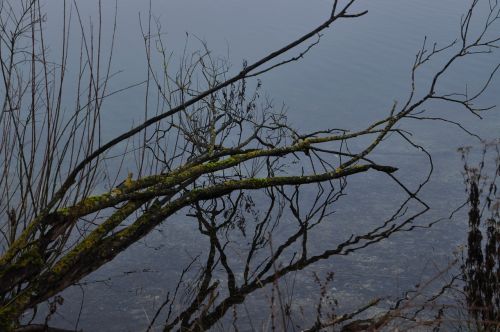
x: 360, y: 67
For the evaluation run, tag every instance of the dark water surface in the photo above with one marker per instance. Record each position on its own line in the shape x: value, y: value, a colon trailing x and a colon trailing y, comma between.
x: 360, y: 67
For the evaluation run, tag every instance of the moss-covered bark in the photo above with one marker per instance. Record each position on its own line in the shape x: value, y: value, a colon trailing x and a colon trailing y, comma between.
x: 24, y: 260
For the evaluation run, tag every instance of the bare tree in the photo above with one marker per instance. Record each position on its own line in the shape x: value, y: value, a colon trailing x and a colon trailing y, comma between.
x: 212, y: 145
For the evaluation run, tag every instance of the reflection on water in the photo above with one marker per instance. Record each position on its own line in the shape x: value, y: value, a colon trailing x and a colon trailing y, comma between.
x: 352, y: 77
x: 264, y: 261
x: 482, y: 265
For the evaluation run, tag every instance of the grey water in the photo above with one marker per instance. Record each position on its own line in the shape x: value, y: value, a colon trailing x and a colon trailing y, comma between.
x: 352, y: 77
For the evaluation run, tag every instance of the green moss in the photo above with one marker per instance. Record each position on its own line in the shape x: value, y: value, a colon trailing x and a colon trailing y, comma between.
x: 10, y: 313
x: 89, y: 242
x: 29, y: 259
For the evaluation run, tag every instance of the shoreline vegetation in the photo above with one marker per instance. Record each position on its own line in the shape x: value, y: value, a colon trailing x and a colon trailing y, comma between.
x: 210, y: 145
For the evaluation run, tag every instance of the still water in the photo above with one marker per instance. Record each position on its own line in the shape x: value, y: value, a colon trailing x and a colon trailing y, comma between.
x: 360, y: 67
